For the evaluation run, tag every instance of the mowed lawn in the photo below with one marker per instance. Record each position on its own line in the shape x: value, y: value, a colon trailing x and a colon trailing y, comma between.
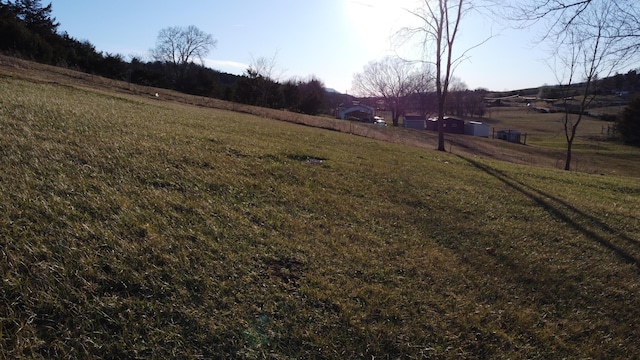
x: 133, y: 227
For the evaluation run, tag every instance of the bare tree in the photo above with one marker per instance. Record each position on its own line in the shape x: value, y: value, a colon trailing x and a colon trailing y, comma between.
x: 589, y: 38
x: 262, y: 75
x: 456, y: 102
x: 474, y: 102
x: 391, y: 79
x: 265, y: 67
x: 589, y: 50
x: 440, y: 25
x: 560, y: 15
x: 423, y: 100
x: 178, y: 47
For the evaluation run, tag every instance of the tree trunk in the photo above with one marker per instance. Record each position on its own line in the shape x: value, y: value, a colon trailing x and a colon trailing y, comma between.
x: 567, y: 162
x: 441, y: 122
x: 441, y: 135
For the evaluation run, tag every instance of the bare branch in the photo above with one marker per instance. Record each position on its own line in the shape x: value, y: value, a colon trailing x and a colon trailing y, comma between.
x: 440, y: 26
x: 180, y: 46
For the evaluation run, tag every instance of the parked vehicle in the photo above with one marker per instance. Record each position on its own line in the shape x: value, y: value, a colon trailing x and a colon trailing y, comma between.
x: 379, y: 121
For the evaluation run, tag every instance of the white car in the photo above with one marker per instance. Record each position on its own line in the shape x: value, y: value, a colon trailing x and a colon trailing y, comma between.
x: 379, y: 121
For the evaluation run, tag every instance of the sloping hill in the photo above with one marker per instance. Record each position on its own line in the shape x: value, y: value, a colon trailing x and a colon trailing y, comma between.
x: 132, y: 226
x: 545, y: 143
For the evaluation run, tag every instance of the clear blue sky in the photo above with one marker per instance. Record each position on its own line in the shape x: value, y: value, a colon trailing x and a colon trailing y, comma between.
x: 331, y: 39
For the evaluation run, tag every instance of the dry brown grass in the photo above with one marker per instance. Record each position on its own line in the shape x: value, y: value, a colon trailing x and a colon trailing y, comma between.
x: 136, y: 227
x: 545, y: 144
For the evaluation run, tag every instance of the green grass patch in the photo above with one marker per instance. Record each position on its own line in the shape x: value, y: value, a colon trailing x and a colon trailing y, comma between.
x: 132, y: 227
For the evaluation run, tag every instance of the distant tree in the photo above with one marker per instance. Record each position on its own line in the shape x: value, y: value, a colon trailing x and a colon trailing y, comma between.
x: 549, y: 92
x: 149, y: 74
x: 291, y: 94
x: 35, y: 16
x: 266, y: 67
x: 424, y: 103
x: 113, y: 66
x: 81, y: 56
x: 422, y: 100
x: 200, y: 80
x: 247, y: 91
x: 391, y: 79
x: 258, y: 90
x: 312, y: 96
x: 28, y: 30
x: 455, y: 104
x: 474, y: 102
x: 228, y: 93
x: 628, y: 125
x: 465, y: 102
x: 262, y: 82
x: 587, y: 55
x: 14, y: 32
x: 589, y: 39
x: 179, y: 47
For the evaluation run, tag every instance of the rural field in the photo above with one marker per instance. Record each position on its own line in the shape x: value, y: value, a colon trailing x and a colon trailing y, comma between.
x: 181, y: 227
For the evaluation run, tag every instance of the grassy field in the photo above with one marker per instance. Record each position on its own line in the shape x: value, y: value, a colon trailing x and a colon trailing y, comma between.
x: 136, y: 227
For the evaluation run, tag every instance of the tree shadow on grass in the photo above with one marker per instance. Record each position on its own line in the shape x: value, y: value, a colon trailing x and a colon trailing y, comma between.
x: 597, y: 230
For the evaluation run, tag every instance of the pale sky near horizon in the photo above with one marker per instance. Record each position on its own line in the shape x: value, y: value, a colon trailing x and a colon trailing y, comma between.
x: 330, y: 39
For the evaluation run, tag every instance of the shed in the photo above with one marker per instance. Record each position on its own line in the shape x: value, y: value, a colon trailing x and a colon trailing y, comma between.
x: 451, y: 125
x: 415, y: 122
x: 476, y: 128
x: 432, y: 124
x: 509, y: 135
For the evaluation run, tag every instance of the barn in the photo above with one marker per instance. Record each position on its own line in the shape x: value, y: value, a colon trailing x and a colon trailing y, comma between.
x: 414, y: 122
x: 476, y: 128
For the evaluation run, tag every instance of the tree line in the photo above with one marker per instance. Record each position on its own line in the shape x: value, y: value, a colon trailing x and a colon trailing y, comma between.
x: 29, y: 31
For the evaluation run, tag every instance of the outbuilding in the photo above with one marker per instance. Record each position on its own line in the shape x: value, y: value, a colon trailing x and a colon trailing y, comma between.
x: 509, y: 135
x: 432, y: 124
x: 356, y: 111
x: 414, y: 122
x: 476, y: 128
x: 451, y: 125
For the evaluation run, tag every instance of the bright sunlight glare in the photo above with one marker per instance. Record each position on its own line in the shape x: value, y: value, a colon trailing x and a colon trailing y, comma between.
x: 376, y: 22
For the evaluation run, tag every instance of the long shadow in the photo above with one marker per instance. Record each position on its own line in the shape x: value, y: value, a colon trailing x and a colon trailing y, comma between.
x: 553, y: 207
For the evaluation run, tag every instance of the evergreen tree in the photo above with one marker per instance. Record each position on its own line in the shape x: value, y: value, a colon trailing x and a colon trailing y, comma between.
x: 28, y: 30
x: 311, y: 96
x: 36, y: 17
